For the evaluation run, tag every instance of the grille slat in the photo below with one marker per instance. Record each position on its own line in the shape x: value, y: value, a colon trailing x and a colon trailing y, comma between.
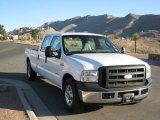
x: 126, y: 73
x: 122, y: 76
x: 114, y: 80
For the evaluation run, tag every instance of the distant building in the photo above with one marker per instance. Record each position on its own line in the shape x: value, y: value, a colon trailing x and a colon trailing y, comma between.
x: 122, y: 38
x: 15, y: 37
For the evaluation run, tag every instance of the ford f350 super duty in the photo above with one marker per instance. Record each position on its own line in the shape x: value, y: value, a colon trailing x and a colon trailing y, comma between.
x: 89, y: 68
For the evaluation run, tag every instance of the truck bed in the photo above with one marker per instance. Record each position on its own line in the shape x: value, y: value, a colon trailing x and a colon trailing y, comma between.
x: 32, y: 54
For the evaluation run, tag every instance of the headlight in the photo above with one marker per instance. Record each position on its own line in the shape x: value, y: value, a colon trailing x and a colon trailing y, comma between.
x: 89, y: 76
x: 148, y: 72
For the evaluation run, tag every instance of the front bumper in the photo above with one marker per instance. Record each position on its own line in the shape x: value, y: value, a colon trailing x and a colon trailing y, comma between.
x: 112, y: 95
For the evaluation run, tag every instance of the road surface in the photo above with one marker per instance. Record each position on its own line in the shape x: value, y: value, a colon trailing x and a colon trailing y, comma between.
x: 12, y: 66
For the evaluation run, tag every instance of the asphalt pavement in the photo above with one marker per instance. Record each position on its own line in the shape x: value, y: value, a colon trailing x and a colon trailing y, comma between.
x: 12, y: 67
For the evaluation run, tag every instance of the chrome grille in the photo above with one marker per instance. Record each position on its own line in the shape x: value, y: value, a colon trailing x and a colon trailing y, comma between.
x: 122, y: 76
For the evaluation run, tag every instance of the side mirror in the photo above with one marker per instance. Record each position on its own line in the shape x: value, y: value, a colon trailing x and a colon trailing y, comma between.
x: 123, y: 50
x: 48, y: 51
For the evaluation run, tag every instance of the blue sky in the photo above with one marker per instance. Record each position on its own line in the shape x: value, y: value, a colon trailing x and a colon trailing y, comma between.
x: 33, y: 13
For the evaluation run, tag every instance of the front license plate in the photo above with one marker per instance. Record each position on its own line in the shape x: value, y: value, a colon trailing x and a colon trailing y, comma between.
x: 128, y: 98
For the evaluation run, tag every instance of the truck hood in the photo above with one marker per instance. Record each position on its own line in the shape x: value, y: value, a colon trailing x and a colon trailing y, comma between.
x: 92, y: 61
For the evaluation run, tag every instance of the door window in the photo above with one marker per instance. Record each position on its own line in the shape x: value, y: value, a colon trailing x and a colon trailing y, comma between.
x: 46, y: 42
x: 55, y: 44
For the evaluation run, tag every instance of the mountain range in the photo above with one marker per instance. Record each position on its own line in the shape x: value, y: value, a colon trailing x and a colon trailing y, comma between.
x: 145, y: 25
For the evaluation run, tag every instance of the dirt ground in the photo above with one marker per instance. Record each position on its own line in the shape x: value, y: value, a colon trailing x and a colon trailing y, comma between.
x: 10, y: 106
x: 144, y: 45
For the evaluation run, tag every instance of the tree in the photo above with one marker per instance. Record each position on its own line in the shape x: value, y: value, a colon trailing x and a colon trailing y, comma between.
x: 2, y: 30
x: 3, y: 34
x: 135, y: 37
x: 34, y: 34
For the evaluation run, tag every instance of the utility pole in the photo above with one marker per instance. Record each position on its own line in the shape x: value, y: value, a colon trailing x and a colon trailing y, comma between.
x: 135, y: 37
x: 135, y: 45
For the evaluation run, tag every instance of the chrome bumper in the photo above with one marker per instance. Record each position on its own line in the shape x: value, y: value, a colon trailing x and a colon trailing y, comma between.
x: 96, y: 97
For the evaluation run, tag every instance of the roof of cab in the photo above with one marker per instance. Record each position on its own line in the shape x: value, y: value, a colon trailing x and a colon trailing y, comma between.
x: 75, y: 33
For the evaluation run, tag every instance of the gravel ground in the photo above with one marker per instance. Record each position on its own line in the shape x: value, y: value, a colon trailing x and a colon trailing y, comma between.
x: 10, y: 105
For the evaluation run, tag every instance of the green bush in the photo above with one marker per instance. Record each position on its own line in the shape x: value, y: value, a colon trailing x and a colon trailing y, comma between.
x: 136, y: 36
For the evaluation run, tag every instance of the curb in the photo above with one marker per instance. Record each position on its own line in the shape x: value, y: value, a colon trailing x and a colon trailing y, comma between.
x: 33, y: 105
x: 4, y: 87
x: 26, y: 105
x: 155, y: 57
x: 32, y: 44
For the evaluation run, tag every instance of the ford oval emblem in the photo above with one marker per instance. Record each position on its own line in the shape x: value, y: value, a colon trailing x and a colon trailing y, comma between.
x: 128, y: 76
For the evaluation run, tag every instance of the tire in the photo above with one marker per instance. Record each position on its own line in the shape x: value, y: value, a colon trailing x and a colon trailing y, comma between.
x: 71, y: 97
x: 31, y: 75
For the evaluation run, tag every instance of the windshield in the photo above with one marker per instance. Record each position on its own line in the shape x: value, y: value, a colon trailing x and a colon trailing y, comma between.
x: 75, y: 44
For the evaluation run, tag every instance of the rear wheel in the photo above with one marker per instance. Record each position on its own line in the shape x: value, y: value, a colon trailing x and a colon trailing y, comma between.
x: 71, y: 97
x: 31, y: 75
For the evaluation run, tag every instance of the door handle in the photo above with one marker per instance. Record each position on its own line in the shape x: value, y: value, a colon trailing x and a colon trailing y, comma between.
x: 61, y: 64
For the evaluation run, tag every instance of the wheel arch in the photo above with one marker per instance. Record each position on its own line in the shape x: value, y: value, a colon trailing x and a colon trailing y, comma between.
x: 65, y: 77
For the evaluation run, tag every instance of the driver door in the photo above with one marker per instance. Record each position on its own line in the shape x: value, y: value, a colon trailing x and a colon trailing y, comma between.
x: 54, y: 63
x: 41, y: 64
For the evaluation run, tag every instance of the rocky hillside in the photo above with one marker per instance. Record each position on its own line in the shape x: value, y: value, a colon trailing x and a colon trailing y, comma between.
x: 146, y: 25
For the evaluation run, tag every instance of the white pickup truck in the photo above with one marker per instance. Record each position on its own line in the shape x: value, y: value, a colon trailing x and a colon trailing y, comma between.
x: 88, y: 68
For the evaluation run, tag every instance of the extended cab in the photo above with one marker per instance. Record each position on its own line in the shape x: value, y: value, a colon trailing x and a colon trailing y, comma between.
x: 89, y: 69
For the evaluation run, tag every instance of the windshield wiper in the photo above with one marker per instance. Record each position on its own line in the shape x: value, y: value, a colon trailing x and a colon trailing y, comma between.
x: 81, y: 52
x: 69, y: 53
x: 88, y: 52
x: 105, y: 52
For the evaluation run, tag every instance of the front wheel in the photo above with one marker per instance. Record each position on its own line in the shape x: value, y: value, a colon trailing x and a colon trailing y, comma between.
x: 31, y: 75
x: 71, y: 97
